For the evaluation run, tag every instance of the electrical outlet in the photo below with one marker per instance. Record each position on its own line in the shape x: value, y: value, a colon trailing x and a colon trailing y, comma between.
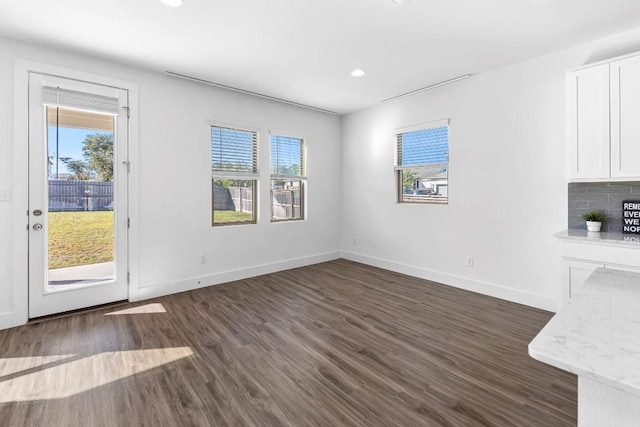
x: 5, y: 195
x: 355, y: 241
x: 203, y: 259
x: 469, y: 261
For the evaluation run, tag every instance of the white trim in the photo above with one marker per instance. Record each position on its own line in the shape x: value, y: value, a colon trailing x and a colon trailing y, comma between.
x: 288, y: 177
x: 134, y: 191
x: 484, y: 288
x: 422, y: 166
x: 287, y: 134
x: 161, y: 289
x: 421, y: 126
x: 247, y: 176
x: 234, y: 126
x: 20, y: 193
x: 71, y: 74
x: 20, y: 314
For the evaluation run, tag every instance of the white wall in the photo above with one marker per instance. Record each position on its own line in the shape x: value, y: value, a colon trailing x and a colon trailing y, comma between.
x: 6, y: 207
x: 507, y: 182
x: 507, y: 189
x: 172, y: 222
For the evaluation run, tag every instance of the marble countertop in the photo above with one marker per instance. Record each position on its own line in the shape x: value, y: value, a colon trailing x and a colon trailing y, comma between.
x: 597, y: 333
x: 600, y: 238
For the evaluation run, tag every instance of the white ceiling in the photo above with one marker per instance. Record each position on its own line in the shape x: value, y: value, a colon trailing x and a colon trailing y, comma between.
x: 304, y: 50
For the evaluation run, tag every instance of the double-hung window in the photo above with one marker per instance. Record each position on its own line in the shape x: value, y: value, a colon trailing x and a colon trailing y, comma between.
x: 234, y: 175
x: 422, y: 165
x: 288, y: 177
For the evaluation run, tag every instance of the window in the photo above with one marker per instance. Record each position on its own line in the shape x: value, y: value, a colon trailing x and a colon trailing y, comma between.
x: 288, y: 178
x: 423, y: 163
x: 234, y: 175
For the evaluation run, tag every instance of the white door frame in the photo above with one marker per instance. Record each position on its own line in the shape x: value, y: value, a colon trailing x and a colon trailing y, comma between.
x: 21, y: 176
x: 43, y: 299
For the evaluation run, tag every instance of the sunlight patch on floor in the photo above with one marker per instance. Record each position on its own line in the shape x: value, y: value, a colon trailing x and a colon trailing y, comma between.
x: 142, y: 309
x: 78, y: 376
x: 13, y: 365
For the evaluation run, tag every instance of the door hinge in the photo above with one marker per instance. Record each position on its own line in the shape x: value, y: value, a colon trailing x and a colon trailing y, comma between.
x: 128, y: 277
x: 128, y: 222
x: 128, y: 110
x: 128, y: 166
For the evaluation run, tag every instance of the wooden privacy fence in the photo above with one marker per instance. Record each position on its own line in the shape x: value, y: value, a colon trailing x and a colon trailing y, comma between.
x: 80, y: 195
x: 285, y: 204
x: 233, y: 198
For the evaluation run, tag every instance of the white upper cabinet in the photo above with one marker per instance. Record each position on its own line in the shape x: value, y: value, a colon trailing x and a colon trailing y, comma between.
x: 603, y: 121
x: 625, y: 118
x: 588, y: 122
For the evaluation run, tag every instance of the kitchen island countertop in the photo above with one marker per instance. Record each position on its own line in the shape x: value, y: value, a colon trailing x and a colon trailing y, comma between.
x: 596, y: 335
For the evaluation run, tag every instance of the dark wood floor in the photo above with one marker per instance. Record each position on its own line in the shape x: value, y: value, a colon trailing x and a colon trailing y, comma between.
x: 335, y: 344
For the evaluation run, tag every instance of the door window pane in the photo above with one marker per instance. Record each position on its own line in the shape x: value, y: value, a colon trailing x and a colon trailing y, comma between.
x: 80, y: 197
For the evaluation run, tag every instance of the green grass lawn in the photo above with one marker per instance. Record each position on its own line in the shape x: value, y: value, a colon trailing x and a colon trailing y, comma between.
x: 80, y: 238
x: 222, y: 217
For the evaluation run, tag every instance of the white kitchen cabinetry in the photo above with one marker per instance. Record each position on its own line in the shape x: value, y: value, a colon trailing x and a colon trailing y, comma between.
x: 583, y: 253
x: 603, y: 130
x: 588, y: 133
x: 575, y: 274
x: 625, y: 114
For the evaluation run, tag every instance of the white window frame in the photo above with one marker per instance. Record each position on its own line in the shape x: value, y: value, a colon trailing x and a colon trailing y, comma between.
x: 399, y: 169
x: 302, y: 178
x: 236, y: 175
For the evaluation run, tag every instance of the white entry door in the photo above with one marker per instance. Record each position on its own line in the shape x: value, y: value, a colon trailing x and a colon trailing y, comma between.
x: 78, y: 180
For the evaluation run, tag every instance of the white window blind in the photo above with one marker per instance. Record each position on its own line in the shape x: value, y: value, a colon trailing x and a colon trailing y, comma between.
x: 68, y: 98
x: 234, y: 153
x: 287, y: 158
x: 426, y: 148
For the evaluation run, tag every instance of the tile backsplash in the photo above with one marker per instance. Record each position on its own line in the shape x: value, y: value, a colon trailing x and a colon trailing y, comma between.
x: 604, y: 197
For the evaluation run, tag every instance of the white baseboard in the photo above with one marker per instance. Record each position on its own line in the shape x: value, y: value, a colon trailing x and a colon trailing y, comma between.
x: 490, y: 289
x: 161, y: 289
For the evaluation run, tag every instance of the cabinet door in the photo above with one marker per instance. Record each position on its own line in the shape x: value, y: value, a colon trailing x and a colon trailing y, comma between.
x: 575, y: 274
x: 625, y: 118
x: 588, y: 123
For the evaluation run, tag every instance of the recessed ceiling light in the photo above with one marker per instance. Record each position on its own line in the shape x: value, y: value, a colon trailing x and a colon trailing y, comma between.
x: 358, y: 72
x: 172, y: 3
x: 399, y: 1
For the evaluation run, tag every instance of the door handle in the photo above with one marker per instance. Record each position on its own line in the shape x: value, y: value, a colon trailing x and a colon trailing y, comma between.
x: 37, y: 227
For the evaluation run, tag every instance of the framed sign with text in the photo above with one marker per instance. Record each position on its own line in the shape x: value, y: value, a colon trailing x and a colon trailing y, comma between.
x: 631, y: 216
